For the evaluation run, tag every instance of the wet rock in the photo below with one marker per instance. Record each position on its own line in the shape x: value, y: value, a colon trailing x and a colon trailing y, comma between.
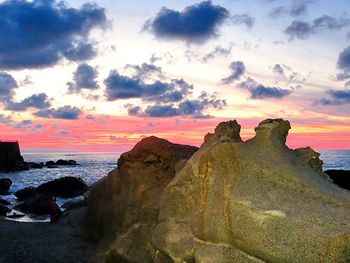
x: 39, y: 205
x: 64, y: 187
x: 5, y: 184
x: 4, y: 210
x: 32, y: 165
x: 74, y: 204
x: 50, y: 163
x: 66, y: 162
x: 340, y: 178
x: 25, y: 193
x: 4, y: 202
x: 52, y: 166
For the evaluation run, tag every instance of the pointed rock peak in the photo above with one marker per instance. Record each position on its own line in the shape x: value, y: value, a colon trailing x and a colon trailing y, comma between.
x: 275, y: 129
x: 228, y: 131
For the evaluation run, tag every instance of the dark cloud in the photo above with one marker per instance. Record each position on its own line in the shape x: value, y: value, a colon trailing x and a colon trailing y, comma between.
x: 238, y: 69
x: 336, y: 97
x: 187, y: 108
x: 287, y: 74
x: 7, y: 86
x: 303, y: 30
x: 66, y: 112
x: 196, y: 23
x: 217, y: 51
x: 38, y: 101
x: 63, y: 132
x: 83, y: 78
x: 145, y: 71
x: 245, y: 19
x: 39, y: 33
x: 344, y: 61
x: 259, y: 91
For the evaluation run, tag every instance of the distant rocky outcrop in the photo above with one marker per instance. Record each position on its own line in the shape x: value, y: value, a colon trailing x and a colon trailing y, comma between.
x: 11, y: 158
x: 340, y: 177
x: 5, y: 184
x: 231, y: 201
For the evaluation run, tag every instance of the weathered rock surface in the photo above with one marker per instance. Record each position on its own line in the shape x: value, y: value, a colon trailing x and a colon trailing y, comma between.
x: 4, y: 202
x: 232, y: 201
x: 4, y: 210
x: 340, y: 177
x: 25, y: 193
x: 39, y: 205
x: 5, y: 184
x: 64, y: 187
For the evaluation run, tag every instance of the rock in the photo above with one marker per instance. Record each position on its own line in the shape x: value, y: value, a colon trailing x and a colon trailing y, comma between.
x: 5, y: 184
x: 74, y: 204
x: 228, y: 131
x: 4, y: 202
x: 66, y: 162
x: 50, y: 163
x: 25, y: 193
x: 52, y: 166
x: 39, y: 205
x: 4, y: 210
x: 10, y: 157
x: 15, y: 216
x: 232, y: 201
x: 64, y: 187
x: 32, y: 165
x: 340, y: 177
x: 130, y: 194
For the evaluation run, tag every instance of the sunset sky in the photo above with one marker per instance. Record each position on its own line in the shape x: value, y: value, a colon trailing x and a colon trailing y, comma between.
x: 99, y: 76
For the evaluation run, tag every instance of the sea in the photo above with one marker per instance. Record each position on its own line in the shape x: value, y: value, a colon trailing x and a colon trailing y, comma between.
x: 94, y: 166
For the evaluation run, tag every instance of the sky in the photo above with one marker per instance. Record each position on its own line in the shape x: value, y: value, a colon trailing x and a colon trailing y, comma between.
x: 100, y: 76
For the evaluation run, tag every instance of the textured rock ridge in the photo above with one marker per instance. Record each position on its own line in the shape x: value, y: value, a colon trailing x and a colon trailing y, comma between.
x: 10, y: 157
x: 232, y: 201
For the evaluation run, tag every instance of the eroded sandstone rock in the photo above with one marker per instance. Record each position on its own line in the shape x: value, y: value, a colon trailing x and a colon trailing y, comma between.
x: 232, y: 201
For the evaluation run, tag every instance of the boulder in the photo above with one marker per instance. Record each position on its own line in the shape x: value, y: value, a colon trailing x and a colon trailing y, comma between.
x: 74, y: 204
x: 64, y: 187
x: 50, y: 163
x: 340, y: 177
x: 39, y: 205
x: 52, y: 166
x: 32, y: 165
x: 4, y: 210
x: 130, y: 194
x: 232, y: 201
x: 11, y: 159
x: 66, y: 162
x: 25, y: 193
x: 4, y: 202
x: 5, y: 184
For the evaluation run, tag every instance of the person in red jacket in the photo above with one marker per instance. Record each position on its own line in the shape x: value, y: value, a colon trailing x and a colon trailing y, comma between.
x: 55, y: 211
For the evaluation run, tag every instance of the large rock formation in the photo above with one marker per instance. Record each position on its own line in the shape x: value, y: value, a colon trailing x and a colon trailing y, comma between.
x: 232, y: 201
x: 10, y: 157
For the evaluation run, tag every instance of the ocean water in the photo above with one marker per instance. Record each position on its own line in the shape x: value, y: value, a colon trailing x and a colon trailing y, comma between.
x: 94, y: 166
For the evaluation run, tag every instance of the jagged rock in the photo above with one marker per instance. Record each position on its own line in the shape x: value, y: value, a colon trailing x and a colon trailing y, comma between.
x: 11, y: 159
x: 4, y: 202
x: 340, y: 177
x: 228, y: 131
x: 232, y: 201
x: 5, y: 184
x: 64, y: 187
x: 4, y: 210
x: 129, y: 195
x: 39, y: 205
x: 25, y: 193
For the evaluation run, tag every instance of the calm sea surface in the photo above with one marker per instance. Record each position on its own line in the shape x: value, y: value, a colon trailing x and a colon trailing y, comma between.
x: 94, y: 166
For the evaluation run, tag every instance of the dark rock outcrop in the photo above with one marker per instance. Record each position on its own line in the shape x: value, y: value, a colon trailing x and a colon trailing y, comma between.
x: 10, y: 157
x: 50, y: 163
x: 66, y: 162
x: 64, y: 187
x: 5, y: 184
x: 39, y: 205
x: 340, y: 177
x: 4, y: 202
x: 32, y: 165
x: 232, y: 201
x: 25, y: 193
x: 74, y: 204
x: 4, y: 210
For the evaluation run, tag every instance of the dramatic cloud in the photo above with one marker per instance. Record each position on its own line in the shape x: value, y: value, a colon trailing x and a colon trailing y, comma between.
x: 7, y: 86
x: 38, y: 101
x: 336, y: 97
x: 145, y: 71
x: 217, y: 51
x: 83, y: 78
x: 238, y: 70
x: 197, y: 23
x: 286, y: 73
x: 187, y: 108
x: 36, y: 34
x: 303, y: 30
x: 344, y: 62
x: 245, y: 19
x: 259, y: 91
x: 66, y: 112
